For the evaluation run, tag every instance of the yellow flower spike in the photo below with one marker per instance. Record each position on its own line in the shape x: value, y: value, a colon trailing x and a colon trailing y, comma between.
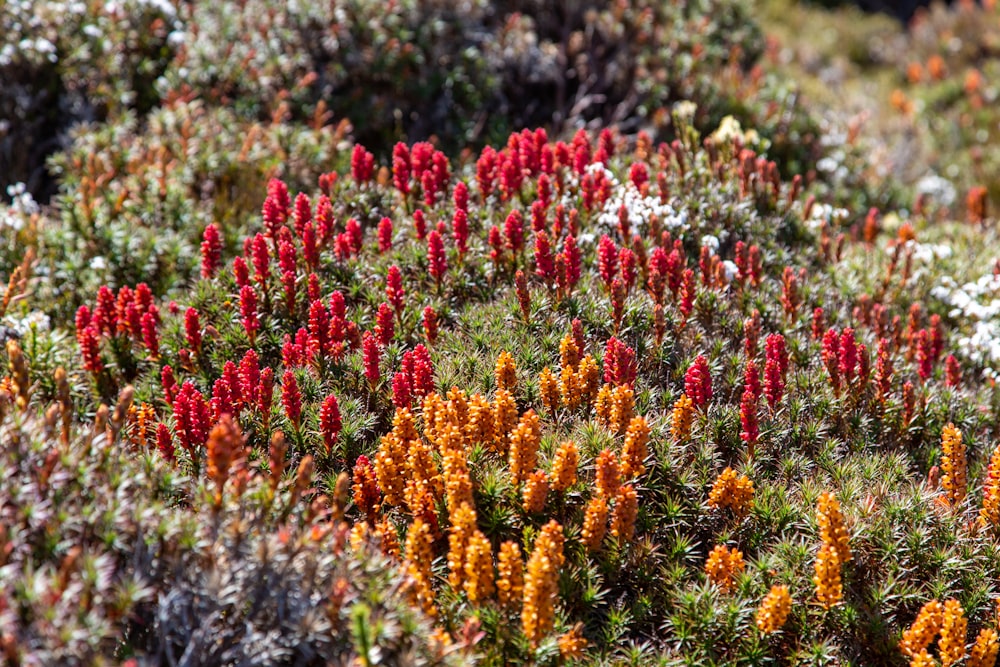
x: 524, y: 442
x: 510, y: 574
x: 953, y: 465
x: 463, y: 525
x: 388, y: 539
x: 506, y: 372
x: 479, y: 428
x: 548, y: 386
x: 989, y: 515
x: 732, y: 492
x: 923, y: 659
x: 569, y: 353
x: 723, y: 565
x: 624, y: 515
x: 390, y: 468
x: 607, y: 474
x: 536, y: 489
x: 925, y: 627
x: 984, y: 650
x: 541, y: 583
x: 404, y: 425
x: 681, y: 419
x: 954, y: 633
x: 622, y: 408
x: 595, y: 523
x: 572, y: 643
x: 505, y: 420
x: 774, y: 609
x: 636, y: 448
x: 569, y: 389
x: 829, y: 587
x: 831, y: 526
x: 478, y: 581
x: 588, y: 379
x: 564, y: 466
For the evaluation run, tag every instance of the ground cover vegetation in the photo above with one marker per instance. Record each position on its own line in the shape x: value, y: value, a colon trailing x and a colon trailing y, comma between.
x: 317, y: 356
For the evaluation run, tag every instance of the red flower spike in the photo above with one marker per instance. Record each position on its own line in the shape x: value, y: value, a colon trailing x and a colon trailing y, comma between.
x: 150, y: 336
x: 513, y: 229
x: 620, y: 366
x: 165, y: 442
x: 240, y: 272
x: 90, y: 349
x: 168, y: 383
x: 698, y: 382
x: 544, y: 262
x: 818, y: 323
x: 430, y: 325
x: 924, y: 354
x: 750, y: 427
x: 437, y: 263
x: 372, y: 357
x: 353, y: 232
x: 384, y: 235
x: 401, y: 395
x: 486, y: 171
x: 222, y: 400
x: 576, y: 327
x: 687, y: 294
x: 324, y: 220
x: 775, y: 368
x: 248, y: 312
x: 394, y: 288
x: 496, y: 245
x: 952, y: 372
x: 883, y: 370
x: 419, y: 224
x: 848, y: 355
x: 384, y: 330
x: 831, y: 358
x: 249, y: 377
x: 401, y: 168
x: 319, y: 329
x: 291, y: 399
x: 310, y: 250
x: 312, y: 287
x: 302, y: 213
x: 460, y: 231
x: 265, y: 396
x: 460, y: 197
x: 751, y: 380
x: 629, y: 267
x: 192, y: 329
x: 362, y: 164
x: 211, y: 251
x: 330, y: 423
x: 607, y: 260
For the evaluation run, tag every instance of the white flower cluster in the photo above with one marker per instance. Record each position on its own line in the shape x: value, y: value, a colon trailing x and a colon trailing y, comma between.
x: 22, y: 205
x: 928, y: 252
x: 820, y: 213
x: 640, y: 209
x: 978, y: 303
x: 36, y: 320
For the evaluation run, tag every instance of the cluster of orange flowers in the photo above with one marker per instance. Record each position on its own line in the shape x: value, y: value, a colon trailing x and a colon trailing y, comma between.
x: 774, y: 609
x: 954, y: 465
x: 420, y: 465
x: 947, y: 620
x: 577, y: 383
x: 732, y: 492
x: 723, y: 566
x: 834, y: 552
